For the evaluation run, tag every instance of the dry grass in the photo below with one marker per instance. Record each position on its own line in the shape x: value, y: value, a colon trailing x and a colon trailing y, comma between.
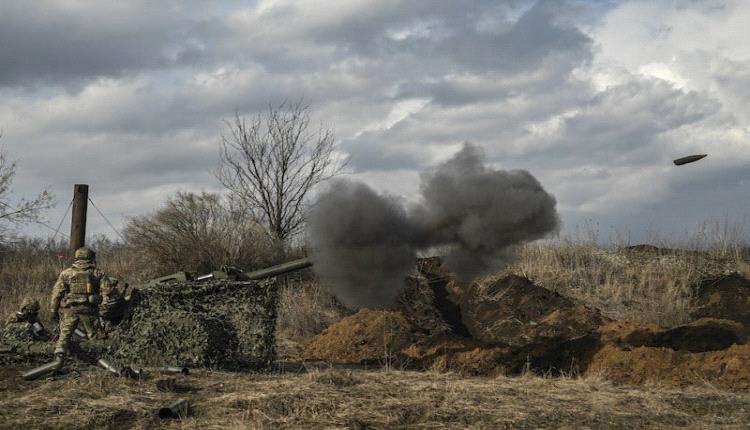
x: 358, y: 399
x: 304, y: 311
x: 30, y: 268
x: 640, y: 286
x: 626, y: 284
x: 623, y: 284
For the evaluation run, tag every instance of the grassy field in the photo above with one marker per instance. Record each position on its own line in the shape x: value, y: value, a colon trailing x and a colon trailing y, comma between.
x: 623, y: 284
x: 361, y: 399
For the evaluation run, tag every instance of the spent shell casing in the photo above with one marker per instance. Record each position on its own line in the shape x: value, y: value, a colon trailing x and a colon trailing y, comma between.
x: 175, y: 369
x: 80, y: 334
x: 109, y: 367
x: 42, y: 370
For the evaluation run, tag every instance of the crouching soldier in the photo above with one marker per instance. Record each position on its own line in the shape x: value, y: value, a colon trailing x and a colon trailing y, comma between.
x: 28, y: 318
x: 76, y: 297
x: 29, y: 313
x: 114, y: 304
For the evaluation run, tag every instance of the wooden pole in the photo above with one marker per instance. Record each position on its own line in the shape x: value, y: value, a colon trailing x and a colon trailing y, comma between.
x: 78, y: 222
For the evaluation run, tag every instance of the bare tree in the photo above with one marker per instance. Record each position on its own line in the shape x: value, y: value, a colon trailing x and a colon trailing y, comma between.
x: 21, y: 212
x: 271, y: 162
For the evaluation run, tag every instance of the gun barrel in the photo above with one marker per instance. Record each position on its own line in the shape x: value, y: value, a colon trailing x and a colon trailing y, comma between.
x: 280, y: 269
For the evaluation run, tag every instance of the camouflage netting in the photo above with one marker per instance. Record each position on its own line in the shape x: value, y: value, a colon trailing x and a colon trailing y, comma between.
x: 17, y: 345
x: 217, y: 324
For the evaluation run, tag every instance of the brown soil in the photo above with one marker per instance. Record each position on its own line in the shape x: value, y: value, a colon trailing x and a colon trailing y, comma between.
x: 726, y: 369
x: 515, y: 311
x: 466, y: 356
x: 367, y: 336
x: 725, y: 297
x: 430, y: 302
x: 517, y: 326
x: 706, y: 334
x: 651, y: 249
x: 430, y: 306
x: 627, y: 332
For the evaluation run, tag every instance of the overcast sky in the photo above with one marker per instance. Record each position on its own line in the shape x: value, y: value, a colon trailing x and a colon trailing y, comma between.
x: 594, y: 98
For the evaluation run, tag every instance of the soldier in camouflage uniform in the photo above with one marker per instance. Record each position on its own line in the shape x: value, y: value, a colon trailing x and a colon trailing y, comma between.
x: 29, y: 313
x: 78, y: 293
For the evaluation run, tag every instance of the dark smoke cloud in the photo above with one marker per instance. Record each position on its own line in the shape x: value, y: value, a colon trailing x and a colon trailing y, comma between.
x: 364, y: 244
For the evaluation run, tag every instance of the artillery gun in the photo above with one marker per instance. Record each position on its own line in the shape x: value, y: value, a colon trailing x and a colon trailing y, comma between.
x: 234, y: 274
x: 224, y: 319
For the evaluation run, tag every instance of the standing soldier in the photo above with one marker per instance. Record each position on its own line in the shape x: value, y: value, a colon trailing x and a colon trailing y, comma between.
x: 77, y: 293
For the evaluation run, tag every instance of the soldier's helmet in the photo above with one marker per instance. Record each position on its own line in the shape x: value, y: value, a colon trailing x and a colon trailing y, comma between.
x: 85, y: 254
x: 30, y: 305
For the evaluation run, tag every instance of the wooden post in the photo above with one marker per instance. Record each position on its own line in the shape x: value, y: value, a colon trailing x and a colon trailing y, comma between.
x: 78, y: 222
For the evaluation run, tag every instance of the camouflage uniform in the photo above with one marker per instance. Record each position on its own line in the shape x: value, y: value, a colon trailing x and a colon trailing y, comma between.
x: 78, y: 293
x: 29, y: 313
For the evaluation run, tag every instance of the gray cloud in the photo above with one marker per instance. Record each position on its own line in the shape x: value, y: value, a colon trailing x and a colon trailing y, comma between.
x: 131, y: 95
x: 67, y: 42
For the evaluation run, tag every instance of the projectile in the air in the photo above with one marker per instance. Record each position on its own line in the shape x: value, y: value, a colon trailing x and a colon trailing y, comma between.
x: 688, y: 159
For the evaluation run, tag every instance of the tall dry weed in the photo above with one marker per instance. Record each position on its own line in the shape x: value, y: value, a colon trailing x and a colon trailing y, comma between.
x: 638, y: 283
x: 304, y: 311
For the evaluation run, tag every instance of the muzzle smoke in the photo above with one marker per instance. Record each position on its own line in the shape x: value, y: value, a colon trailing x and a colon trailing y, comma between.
x: 363, y: 243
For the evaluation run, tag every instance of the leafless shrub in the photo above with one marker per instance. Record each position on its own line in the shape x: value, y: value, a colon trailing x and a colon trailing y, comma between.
x: 23, y: 211
x: 199, y: 232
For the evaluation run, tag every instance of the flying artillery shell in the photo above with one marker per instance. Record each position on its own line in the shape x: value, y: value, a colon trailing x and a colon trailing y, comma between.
x: 689, y: 159
x: 176, y: 409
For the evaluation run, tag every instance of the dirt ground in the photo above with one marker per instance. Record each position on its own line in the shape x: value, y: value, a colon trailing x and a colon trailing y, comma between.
x: 360, y: 399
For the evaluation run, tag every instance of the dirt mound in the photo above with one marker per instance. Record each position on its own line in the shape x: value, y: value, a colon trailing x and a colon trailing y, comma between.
x: 724, y: 297
x: 457, y: 354
x: 651, y: 249
x: 468, y: 356
x: 727, y: 369
x: 628, y: 333
x: 367, y: 336
x: 515, y: 311
x: 430, y: 307
x: 429, y: 300
x: 707, y: 334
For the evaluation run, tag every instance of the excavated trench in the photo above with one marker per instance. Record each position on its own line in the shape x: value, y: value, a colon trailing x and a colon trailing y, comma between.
x: 513, y: 326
